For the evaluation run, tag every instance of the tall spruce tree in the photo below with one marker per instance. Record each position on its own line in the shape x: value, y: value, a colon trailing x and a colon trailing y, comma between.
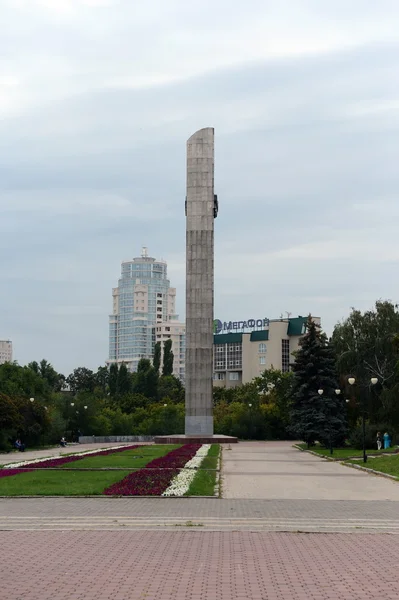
x: 167, y: 367
x: 156, y: 362
x: 316, y: 417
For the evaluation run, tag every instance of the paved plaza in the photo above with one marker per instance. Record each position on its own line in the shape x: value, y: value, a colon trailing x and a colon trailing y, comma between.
x: 277, y: 470
x: 290, y: 526
x: 11, y: 457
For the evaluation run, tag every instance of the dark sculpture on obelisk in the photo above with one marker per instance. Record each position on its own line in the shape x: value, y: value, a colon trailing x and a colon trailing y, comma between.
x: 201, y: 210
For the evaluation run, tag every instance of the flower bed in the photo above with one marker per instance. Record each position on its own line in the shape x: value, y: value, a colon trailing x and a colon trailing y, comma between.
x: 47, y: 463
x: 155, y: 478
x: 181, y: 483
x: 7, y: 472
x: 176, y: 459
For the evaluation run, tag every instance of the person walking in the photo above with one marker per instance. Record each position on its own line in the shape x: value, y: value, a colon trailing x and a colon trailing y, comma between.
x: 379, y: 440
x: 387, y: 440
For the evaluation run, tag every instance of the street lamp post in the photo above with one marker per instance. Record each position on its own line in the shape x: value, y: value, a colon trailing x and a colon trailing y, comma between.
x: 373, y: 381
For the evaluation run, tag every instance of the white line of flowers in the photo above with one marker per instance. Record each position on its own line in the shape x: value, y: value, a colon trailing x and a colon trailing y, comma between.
x: 39, y: 460
x: 181, y: 483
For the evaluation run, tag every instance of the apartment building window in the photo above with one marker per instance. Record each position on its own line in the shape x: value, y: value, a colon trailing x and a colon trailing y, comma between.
x: 219, y: 356
x: 285, y: 355
x: 262, y: 360
x: 167, y: 328
x: 233, y: 376
x: 262, y: 348
x: 234, y: 355
x: 219, y: 376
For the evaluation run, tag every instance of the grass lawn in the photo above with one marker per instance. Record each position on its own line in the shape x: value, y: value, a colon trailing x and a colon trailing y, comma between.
x: 44, y: 482
x: 344, y: 452
x: 204, y: 481
x: 384, y: 464
x: 130, y: 459
x: 58, y: 483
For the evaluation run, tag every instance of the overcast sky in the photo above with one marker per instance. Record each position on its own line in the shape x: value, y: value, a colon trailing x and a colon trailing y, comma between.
x: 97, y: 100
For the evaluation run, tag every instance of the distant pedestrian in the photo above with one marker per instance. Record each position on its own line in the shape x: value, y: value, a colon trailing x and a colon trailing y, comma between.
x: 20, y: 446
x: 387, y: 440
x: 63, y: 442
x: 379, y: 440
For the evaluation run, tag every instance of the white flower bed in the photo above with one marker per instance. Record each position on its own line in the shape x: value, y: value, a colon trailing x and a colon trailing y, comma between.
x: 39, y: 460
x: 181, y: 483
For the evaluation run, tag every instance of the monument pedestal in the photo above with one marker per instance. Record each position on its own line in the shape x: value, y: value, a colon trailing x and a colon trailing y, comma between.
x: 181, y: 438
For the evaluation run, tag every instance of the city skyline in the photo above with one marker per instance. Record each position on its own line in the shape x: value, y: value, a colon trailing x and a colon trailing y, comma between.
x: 93, y: 158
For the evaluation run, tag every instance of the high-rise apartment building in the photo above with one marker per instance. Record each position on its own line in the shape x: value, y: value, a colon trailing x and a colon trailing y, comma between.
x: 5, y: 351
x: 142, y: 301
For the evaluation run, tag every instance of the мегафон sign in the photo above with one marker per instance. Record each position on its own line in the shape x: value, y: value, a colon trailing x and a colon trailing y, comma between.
x: 219, y: 327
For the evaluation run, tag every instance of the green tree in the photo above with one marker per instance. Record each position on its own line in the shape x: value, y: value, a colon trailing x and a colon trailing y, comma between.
x: 156, y: 363
x: 56, y: 381
x: 146, y: 379
x: 171, y: 387
x: 131, y: 402
x: 10, y: 421
x: 275, y: 390
x: 101, y: 379
x: 167, y: 367
x: 367, y: 345
x: 113, y: 379
x: 124, y: 381
x: 315, y: 417
x: 22, y: 381
x: 81, y: 380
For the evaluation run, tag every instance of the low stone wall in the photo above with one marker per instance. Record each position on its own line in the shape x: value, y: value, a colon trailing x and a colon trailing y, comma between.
x: 105, y: 439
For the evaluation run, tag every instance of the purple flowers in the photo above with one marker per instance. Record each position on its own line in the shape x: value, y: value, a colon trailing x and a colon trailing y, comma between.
x: 153, y: 479
x: 8, y: 472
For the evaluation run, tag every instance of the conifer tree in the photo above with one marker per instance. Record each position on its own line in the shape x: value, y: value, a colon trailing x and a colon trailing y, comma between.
x: 316, y: 417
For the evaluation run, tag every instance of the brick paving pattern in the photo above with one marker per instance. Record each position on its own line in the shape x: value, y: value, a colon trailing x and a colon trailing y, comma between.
x: 197, y: 565
x: 246, y: 545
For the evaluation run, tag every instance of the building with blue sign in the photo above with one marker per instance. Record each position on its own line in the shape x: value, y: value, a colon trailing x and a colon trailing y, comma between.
x: 240, y: 354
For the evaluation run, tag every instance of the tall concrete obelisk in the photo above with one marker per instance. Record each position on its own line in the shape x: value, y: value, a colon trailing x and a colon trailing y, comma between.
x: 201, y: 210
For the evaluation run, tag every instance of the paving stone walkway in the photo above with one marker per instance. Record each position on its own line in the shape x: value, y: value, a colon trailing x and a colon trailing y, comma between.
x: 7, y: 458
x: 292, y: 540
x: 148, y: 565
x: 276, y: 470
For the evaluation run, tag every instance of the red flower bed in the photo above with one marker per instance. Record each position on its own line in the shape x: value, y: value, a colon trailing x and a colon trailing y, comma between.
x: 176, y: 458
x: 57, y: 462
x: 146, y: 482
x: 8, y: 472
x: 153, y: 479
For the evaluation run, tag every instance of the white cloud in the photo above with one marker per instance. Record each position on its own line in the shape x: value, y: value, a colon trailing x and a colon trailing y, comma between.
x: 97, y: 100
